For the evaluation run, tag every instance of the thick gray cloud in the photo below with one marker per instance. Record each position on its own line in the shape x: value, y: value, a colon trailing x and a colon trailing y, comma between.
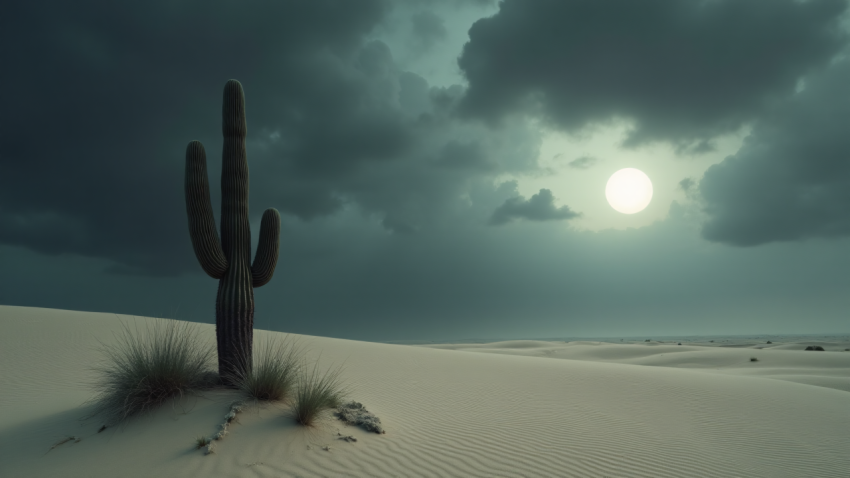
x: 428, y: 28
x: 683, y: 71
x: 106, y: 97
x: 687, y: 184
x: 791, y: 178
x: 540, y: 207
x: 93, y: 156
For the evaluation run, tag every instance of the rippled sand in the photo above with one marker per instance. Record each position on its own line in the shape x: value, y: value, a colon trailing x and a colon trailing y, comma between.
x: 515, y: 408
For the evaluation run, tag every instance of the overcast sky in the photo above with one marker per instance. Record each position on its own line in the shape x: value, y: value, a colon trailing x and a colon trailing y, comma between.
x: 439, y: 165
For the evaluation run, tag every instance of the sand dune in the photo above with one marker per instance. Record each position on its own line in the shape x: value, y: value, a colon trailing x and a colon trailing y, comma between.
x: 609, y: 410
x: 782, y: 361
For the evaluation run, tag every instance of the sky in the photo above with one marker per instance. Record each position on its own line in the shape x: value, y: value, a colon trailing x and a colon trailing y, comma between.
x: 439, y: 165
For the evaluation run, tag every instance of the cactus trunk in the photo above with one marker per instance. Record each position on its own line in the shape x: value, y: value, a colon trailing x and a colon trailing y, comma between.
x: 234, y: 323
x: 229, y: 261
x: 234, y: 305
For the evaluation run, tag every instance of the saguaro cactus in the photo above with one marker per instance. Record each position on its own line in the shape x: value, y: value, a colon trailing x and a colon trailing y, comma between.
x: 229, y: 260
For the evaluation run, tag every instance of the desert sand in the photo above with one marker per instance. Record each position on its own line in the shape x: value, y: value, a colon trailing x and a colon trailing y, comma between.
x: 517, y: 408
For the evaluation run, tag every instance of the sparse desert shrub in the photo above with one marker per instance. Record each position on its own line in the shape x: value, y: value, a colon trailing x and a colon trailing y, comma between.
x: 815, y: 347
x: 753, y: 359
x: 143, y: 371
x: 316, y: 394
x: 769, y: 342
x: 274, y: 373
x: 201, y: 442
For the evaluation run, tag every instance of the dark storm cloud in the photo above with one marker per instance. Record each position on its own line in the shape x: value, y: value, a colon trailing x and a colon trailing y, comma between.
x: 541, y: 207
x: 447, y: 3
x: 457, y: 154
x: 413, y: 94
x: 107, y: 96
x: 428, y: 28
x: 683, y: 71
x: 687, y: 184
x: 583, y: 162
x: 791, y: 178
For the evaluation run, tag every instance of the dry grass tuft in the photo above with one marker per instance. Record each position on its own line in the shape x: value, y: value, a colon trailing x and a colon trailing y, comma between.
x: 274, y: 373
x: 317, y: 394
x: 201, y: 442
x: 143, y: 371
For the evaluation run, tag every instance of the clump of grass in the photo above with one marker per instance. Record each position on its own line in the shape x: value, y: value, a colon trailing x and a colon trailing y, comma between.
x: 274, y: 373
x: 317, y: 394
x: 753, y: 359
x: 201, y: 442
x: 143, y: 371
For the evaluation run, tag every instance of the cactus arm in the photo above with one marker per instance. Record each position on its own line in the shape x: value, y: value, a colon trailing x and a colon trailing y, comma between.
x: 265, y: 259
x: 199, y: 209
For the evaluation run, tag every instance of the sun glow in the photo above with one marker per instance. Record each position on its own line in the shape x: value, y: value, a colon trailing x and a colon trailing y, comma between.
x: 629, y: 191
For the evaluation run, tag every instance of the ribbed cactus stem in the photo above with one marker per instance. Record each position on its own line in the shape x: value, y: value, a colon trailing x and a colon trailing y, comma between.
x: 229, y: 260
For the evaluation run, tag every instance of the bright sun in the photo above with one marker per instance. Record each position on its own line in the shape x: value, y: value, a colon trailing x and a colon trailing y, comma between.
x: 629, y: 191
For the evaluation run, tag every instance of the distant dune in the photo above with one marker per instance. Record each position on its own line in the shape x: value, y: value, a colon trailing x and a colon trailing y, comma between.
x: 506, y: 409
x: 780, y: 361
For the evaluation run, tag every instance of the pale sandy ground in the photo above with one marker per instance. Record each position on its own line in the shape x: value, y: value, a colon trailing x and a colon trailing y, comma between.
x: 779, y: 360
x: 600, y: 410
